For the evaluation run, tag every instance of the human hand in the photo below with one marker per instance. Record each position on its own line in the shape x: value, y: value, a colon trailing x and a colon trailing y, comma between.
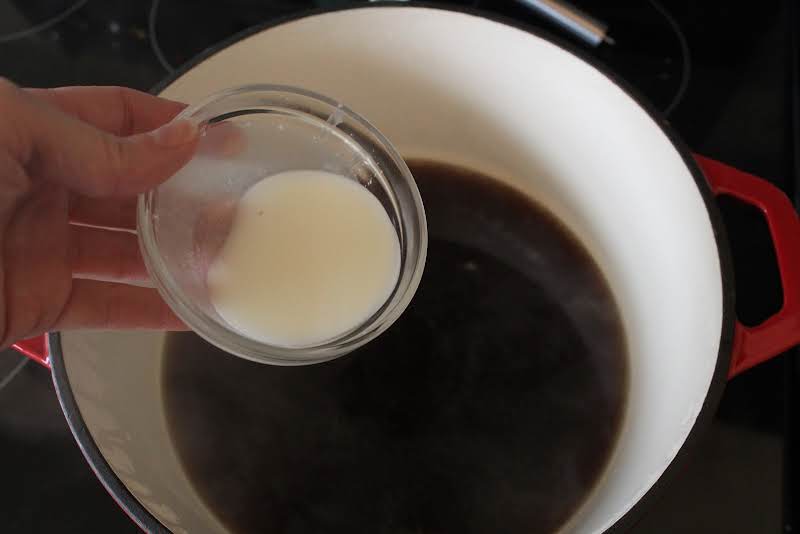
x: 71, y: 162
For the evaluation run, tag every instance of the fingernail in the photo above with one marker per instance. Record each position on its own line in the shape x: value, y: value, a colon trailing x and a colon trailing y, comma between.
x: 233, y: 143
x: 175, y: 133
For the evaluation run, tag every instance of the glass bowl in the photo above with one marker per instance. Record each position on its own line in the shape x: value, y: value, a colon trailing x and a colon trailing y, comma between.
x: 248, y: 133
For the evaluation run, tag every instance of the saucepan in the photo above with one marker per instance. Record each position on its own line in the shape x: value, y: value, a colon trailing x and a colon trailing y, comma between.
x: 453, y: 86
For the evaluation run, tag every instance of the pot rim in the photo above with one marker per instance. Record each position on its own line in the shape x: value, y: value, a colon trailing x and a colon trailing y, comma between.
x: 149, y: 523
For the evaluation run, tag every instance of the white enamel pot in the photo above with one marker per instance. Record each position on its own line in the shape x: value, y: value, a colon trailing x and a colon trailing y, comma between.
x: 460, y: 88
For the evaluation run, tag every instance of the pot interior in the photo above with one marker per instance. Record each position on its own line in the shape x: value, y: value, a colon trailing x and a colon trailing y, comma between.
x: 462, y: 89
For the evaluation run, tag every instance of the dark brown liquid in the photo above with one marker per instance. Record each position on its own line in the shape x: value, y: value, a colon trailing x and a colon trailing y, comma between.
x: 492, y: 405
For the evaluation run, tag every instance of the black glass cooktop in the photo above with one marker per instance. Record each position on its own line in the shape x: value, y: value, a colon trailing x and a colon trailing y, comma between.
x: 724, y: 73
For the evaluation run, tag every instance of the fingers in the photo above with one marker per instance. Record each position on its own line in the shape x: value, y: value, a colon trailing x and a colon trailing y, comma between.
x: 123, y: 112
x: 211, y: 229
x: 106, y: 212
x: 220, y: 140
x: 54, y: 146
x: 223, y: 140
x: 34, y: 267
x: 108, y: 306
x: 106, y: 255
x: 116, y: 110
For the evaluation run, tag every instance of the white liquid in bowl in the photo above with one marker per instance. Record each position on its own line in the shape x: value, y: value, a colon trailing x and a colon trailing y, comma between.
x: 310, y: 256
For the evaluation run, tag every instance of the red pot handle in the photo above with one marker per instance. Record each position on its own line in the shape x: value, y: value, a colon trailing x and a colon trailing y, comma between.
x: 35, y: 348
x: 753, y: 345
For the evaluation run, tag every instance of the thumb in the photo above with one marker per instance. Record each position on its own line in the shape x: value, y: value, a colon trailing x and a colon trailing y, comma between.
x: 54, y: 146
